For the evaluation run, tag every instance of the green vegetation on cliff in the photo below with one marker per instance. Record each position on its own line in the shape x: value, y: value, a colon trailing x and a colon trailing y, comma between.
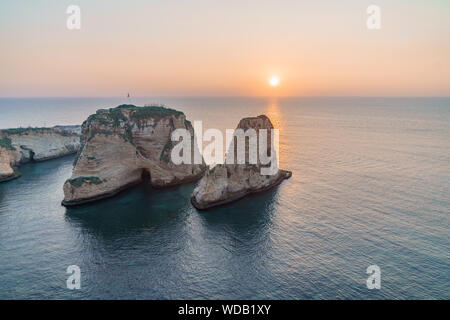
x: 31, y: 130
x: 22, y: 131
x: 155, y: 112
x: 5, y: 142
x: 78, y: 182
x: 111, y: 117
x: 124, y: 117
x: 114, y: 116
x: 165, y: 153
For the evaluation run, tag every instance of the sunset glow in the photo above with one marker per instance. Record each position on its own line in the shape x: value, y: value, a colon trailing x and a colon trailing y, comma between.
x: 274, y: 81
x: 224, y: 151
x: 159, y: 49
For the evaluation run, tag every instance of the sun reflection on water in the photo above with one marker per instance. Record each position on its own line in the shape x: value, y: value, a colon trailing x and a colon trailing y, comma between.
x: 273, y: 112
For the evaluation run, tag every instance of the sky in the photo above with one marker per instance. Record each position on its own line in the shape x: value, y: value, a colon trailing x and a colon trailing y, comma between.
x: 224, y: 48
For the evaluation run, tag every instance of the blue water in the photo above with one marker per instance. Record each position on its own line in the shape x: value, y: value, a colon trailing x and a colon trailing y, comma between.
x: 370, y: 185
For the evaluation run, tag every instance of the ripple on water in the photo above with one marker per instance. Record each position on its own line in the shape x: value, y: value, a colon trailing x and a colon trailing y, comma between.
x: 370, y: 185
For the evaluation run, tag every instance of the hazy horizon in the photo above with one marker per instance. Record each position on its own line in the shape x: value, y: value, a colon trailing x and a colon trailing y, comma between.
x: 230, y: 97
x: 224, y: 49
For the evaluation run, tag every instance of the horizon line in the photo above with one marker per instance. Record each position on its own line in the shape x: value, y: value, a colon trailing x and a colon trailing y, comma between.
x: 224, y: 96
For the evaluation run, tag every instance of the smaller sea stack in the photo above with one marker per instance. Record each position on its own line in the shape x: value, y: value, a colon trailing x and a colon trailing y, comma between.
x: 225, y: 183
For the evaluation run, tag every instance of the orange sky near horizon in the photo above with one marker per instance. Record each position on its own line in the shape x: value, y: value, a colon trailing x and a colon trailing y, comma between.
x: 232, y: 48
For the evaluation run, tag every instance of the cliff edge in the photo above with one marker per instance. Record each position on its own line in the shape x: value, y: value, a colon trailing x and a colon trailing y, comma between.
x: 123, y: 145
x: 22, y: 145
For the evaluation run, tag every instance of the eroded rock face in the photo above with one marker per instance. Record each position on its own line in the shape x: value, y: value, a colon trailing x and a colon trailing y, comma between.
x: 22, y: 145
x: 229, y: 182
x: 6, y: 165
x: 121, y: 145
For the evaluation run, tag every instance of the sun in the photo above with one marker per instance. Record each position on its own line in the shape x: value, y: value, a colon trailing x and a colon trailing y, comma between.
x: 274, y: 81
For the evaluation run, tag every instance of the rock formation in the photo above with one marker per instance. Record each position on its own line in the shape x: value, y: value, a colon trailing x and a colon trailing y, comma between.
x: 122, y: 145
x: 229, y: 182
x: 22, y: 145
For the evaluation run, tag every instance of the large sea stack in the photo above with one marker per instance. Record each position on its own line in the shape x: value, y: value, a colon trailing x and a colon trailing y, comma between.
x: 123, y: 145
x: 229, y: 182
x: 22, y: 145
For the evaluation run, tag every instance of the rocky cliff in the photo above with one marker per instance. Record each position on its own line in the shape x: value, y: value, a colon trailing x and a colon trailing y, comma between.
x: 229, y: 182
x: 120, y: 146
x: 22, y: 145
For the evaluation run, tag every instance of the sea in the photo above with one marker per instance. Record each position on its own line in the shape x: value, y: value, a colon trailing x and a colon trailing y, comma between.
x: 370, y: 186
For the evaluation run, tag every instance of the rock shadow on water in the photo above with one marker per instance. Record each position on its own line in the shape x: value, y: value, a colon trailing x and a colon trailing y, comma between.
x: 234, y: 244
x: 138, y: 237
x: 145, y: 231
x: 246, y: 222
x: 143, y: 209
x: 140, y: 209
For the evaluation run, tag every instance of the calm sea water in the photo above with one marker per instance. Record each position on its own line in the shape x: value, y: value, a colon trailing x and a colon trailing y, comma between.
x: 370, y: 185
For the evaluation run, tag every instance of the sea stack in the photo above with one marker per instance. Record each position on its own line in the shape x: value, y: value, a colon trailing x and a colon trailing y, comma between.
x: 22, y: 145
x: 225, y: 183
x: 123, y: 145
